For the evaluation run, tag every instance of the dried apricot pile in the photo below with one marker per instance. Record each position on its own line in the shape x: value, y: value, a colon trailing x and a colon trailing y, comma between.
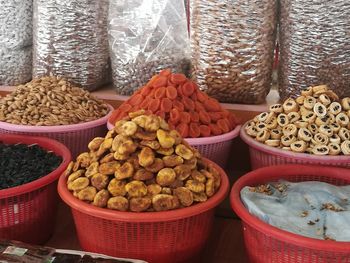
x: 141, y: 165
x: 179, y: 101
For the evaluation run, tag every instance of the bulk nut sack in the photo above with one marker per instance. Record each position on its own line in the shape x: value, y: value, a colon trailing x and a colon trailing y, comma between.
x: 145, y: 37
x: 70, y: 40
x: 15, y: 41
x: 314, y: 46
x: 232, y: 45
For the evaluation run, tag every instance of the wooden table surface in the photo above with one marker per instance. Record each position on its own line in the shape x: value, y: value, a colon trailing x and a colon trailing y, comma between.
x: 225, y: 244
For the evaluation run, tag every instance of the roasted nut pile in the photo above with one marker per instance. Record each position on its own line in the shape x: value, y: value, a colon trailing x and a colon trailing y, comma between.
x: 315, y: 122
x: 50, y: 101
x: 179, y: 101
x: 141, y: 165
x: 232, y: 44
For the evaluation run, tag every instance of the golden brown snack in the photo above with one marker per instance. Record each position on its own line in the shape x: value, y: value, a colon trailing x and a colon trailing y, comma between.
x: 136, y: 189
x: 198, y: 176
x: 166, y: 177
x: 75, y: 175
x: 156, y: 166
x: 184, y: 152
x: 125, y: 171
x: 117, y: 187
x: 87, y: 194
x: 172, y: 160
x: 200, y: 197
x: 165, y: 140
x: 167, y: 191
x: 78, y: 184
x: 139, y: 204
x: 146, y: 157
x: 118, y: 203
x: 107, y: 158
x: 108, y: 168
x: 94, y: 145
x: 183, y: 171
x: 143, y: 175
x: 184, y: 195
x: 83, y: 160
x: 99, y: 181
x: 145, y: 136
x: 164, y: 202
x: 165, y: 151
x: 154, y: 189
x: 176, y: 135
x: 101, y: 198
x: 195, y: 186
x: 154, y: 145
x: 104, y: 147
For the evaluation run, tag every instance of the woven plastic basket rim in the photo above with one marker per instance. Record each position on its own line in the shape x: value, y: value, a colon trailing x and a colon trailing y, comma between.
x: 263, y: 175
x: 57, y: 128
x: 206, y: 140
x: 289, y: 154
x: 150, y: 217
x: 46, y: 143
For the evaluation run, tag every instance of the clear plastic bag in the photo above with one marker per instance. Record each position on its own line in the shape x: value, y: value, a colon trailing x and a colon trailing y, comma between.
x: 232, y: 44
x: 314, y: 46
x: 146, y: 36
x: 15, y: 66
x: 15, y: 41
x: 70, y: 40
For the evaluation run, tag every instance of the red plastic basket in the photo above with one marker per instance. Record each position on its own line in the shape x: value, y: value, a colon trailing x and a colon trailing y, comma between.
x: 157, y: 237
x: 75, y: 136
x: 266, y: 243
x: 215, y: 148
x: 27, y: 212
x: 262, y: 155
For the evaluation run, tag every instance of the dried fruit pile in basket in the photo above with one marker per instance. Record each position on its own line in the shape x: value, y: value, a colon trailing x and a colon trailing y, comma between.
x: 179, y: 101
x: 141, y: 165
x: 316, y: 122
x: 50, y: 101
x: 21, y: 164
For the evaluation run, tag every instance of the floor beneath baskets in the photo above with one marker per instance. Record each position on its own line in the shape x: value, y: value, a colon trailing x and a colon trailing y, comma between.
x: 224, y: 246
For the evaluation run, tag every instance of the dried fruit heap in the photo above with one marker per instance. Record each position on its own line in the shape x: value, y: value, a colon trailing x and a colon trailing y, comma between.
x: 141, y: 165
x: 179, y: 101
x: 316, y: 122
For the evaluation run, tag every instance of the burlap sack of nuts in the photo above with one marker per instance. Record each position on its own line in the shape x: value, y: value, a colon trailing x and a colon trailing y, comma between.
x: 232, y: 44
x: 145, y: 37
x: 70, y: 41
x: 314, y: 46
x: 15, y: 41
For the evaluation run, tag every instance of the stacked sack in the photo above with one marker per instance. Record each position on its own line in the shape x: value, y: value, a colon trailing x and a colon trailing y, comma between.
x: 15, y: 41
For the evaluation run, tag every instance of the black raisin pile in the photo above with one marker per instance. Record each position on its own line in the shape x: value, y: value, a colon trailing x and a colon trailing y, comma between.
x: 21, y: 164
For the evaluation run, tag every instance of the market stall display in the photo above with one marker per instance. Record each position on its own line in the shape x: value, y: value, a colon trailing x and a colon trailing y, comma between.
x: 15, y: 41
x: 143, y: 166
x: 314, y: 46
x: 301, y: 130
x: 70, y: 40
x: 145, y: 37
x: 232, y: 46
x: 196, y: 116
x: 53, y: 107
x: 28, y: 201
x: 264, y: 242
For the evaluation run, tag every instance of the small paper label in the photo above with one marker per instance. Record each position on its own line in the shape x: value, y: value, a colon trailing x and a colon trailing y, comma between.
x: 17, y: 251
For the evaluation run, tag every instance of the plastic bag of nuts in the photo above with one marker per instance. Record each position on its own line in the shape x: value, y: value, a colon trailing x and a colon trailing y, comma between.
x: 144, y: 37
x: 232, y: 44
x: 70, y: 41
x: 15, y: 41
x: 314, y: 46
x: 141, y: 165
